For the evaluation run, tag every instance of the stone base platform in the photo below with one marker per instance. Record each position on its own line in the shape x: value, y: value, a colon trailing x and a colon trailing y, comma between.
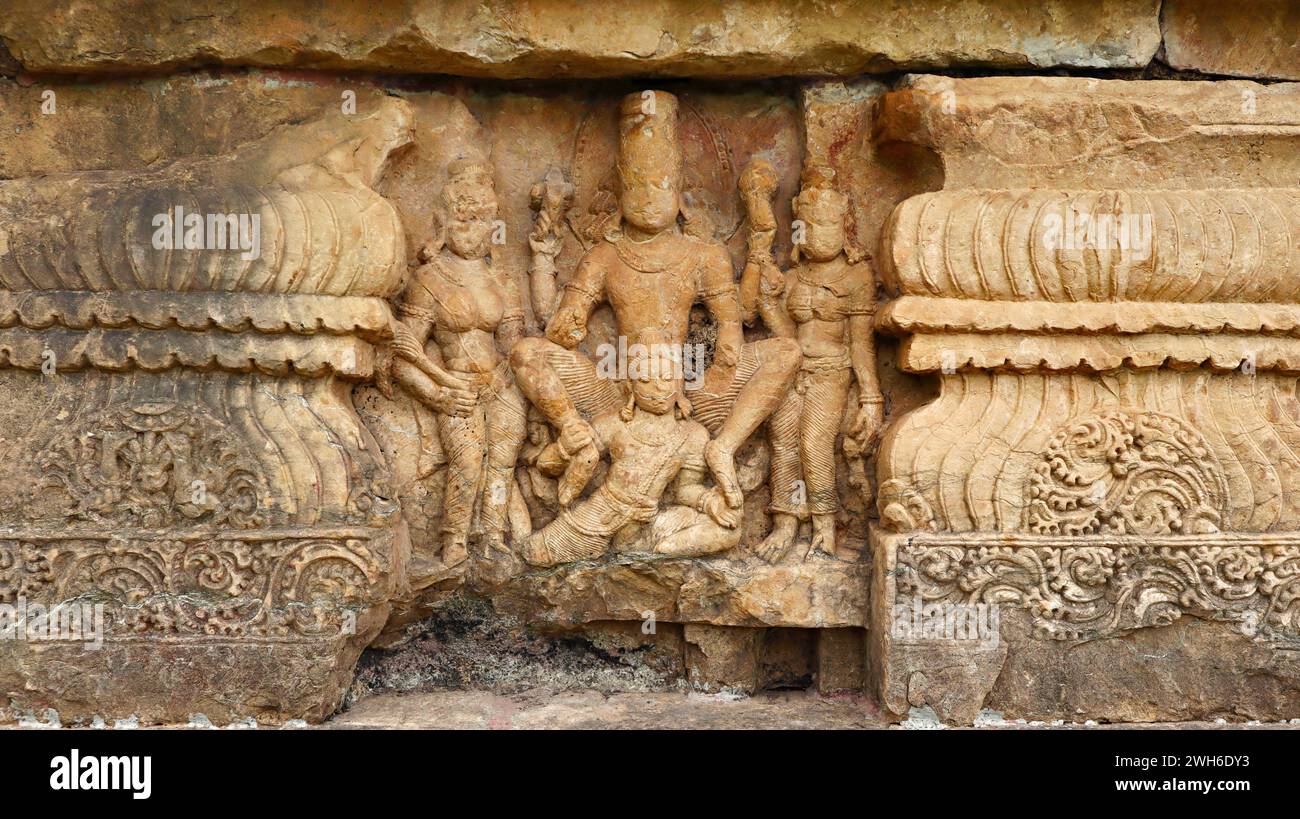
x: 1109, y: 629
x: 816, y: 593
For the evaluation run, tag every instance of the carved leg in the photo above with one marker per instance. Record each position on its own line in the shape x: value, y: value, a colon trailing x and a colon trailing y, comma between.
x: 680, y: 531
x: 505, y: 418
x: 786, y: 484
x: 565, y: 386
x: 733, y: 404
x: 819, y: 425
x: 462, y: 440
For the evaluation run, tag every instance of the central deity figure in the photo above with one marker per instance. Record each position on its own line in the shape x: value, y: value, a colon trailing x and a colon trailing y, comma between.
x: 651, y: 273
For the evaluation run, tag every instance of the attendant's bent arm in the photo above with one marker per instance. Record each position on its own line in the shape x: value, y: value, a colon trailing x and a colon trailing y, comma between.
x: 688, y: 486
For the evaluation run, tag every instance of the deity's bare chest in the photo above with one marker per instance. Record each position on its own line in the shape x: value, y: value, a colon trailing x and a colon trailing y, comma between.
x: 647, y: 300
x: 648, y: 463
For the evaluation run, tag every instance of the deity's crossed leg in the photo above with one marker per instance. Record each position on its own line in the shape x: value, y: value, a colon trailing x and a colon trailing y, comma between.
x: 731, y: 402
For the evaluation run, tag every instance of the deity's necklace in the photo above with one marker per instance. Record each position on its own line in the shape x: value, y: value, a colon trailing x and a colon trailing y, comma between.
x: 630, y: 252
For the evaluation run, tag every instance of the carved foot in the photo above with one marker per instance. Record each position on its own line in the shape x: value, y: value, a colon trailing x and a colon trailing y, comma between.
x: 722, y: 463
x: 775, y: 545
x: 494, y: 564
x: 823, y: 538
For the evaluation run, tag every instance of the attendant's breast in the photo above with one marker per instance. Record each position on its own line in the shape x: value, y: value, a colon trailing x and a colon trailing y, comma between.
x: 457, y: 307
x: 799, y: 302
x: 490, y: 304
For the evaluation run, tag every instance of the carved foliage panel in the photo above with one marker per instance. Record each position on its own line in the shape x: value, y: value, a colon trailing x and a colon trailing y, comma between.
x: 1099, y: 590
x: 300, y: 585
x: 188, y: 449
x: 1153, y: 452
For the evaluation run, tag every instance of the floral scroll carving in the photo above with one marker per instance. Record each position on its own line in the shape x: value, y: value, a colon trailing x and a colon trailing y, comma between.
x: 265, y: 587
x: 152, y: 464
x: 1094, y: 591
x: 1127, y: 473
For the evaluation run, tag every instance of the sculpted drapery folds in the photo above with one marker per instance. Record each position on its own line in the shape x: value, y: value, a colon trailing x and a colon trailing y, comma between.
x: 825, y: 302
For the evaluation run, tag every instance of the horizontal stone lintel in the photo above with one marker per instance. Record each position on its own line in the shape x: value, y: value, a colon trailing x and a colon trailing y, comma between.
x: 545, y: 38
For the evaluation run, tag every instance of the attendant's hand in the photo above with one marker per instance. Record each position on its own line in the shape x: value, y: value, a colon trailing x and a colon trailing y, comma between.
x: 456, y: 403
x: 865, y: 429
x: 715, y: 506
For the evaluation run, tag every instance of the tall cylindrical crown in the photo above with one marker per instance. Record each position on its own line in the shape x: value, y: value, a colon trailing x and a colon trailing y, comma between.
x: 647, y: 138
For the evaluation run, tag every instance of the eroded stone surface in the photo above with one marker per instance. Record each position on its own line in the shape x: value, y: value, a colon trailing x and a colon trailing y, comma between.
x: 1240, y: 39
x: 586, y: 710
x: 544, y: 38
x: 441, y: 375
x: 1079, y: 133
x: 740, y: 593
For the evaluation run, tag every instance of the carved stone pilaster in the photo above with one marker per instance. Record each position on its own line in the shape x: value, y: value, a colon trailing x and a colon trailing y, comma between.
x: 180, y: 443
x: 1114, y: 444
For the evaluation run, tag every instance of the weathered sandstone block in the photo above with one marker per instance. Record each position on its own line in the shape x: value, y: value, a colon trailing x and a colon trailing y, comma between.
x: 718, y: 657
x: 545, y: 38
x: 1113, y: 444
x: 189, y: 459
x: 1260, y: 39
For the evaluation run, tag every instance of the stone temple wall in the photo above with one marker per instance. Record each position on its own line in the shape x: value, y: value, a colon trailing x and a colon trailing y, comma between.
x: 946, y: 351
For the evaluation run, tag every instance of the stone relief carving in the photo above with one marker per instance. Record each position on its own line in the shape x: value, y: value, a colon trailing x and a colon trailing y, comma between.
x: 457, y: 316
x: 826, y: 303
x: 258, y: 587
x: 1112, y: 444
x: 183, y: 341
x: 1127, y: 473
x: 651, y: 272
x: 1086, y: 592
x: 150, y: 464
x: 632, y: 423
x: 706, y: 208
x: 653, y: 446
